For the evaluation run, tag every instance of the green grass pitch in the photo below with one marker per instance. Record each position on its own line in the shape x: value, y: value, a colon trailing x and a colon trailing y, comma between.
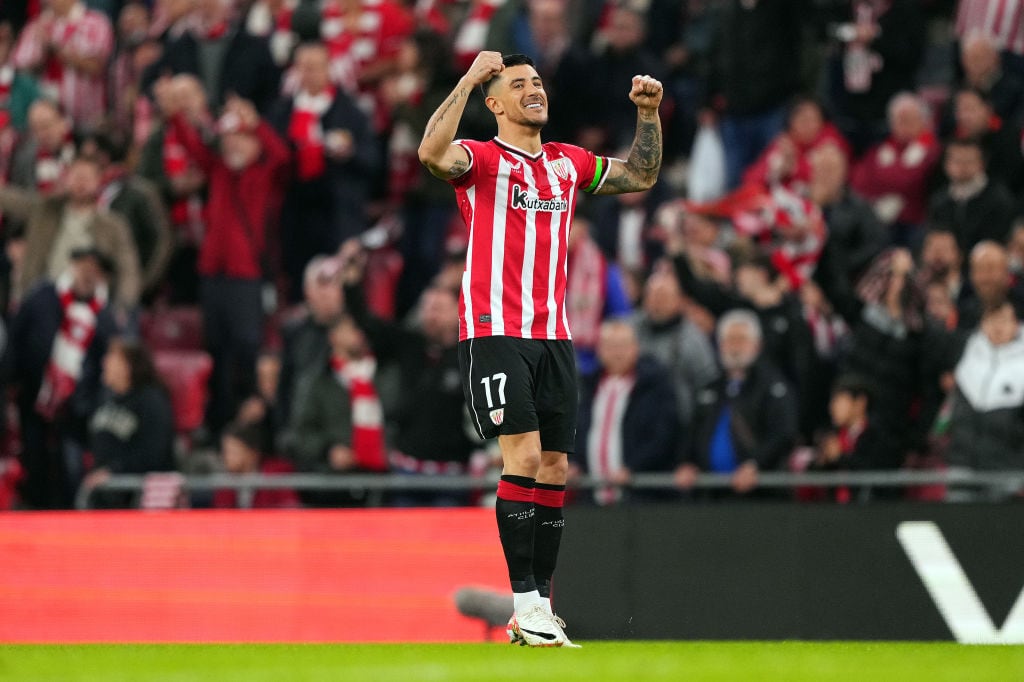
x: 597, y: 661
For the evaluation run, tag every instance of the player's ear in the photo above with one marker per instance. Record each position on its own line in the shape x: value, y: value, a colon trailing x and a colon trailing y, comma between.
x: 494, y: 105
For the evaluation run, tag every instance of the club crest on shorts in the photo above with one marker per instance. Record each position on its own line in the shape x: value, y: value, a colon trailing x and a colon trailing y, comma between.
x: 498, y: 416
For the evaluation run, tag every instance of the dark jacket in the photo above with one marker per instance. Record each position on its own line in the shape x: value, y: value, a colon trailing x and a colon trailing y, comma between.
x: 855, y: 237
x: 136, y: 200
x: 134, y: 433
x: 765, y: 418
x: 650, y: 424
x: 304, y: 353
x: 321, y: 418
x: 987, y: 215
x: 248, y: 69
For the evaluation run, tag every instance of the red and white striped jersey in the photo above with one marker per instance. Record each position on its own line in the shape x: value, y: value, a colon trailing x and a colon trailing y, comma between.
x: 518, y: 208
x: 1002, y: 20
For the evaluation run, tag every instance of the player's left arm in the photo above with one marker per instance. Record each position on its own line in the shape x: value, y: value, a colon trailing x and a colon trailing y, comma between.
x: 640, y: 170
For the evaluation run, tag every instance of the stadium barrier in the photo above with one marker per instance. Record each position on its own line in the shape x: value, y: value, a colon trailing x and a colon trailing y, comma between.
x: 375, y: 485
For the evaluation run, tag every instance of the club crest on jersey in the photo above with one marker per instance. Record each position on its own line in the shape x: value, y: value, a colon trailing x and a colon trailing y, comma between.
x: 498, y: 416
x: 524, y: 201
x: 561, y: 168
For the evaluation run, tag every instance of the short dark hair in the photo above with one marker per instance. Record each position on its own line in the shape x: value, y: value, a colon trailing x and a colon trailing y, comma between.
x: 855, y: 386
x: 966, y: 142
x: 507, y: 61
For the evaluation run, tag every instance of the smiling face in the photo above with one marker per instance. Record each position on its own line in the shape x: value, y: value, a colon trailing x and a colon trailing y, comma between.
x: 518, y: 97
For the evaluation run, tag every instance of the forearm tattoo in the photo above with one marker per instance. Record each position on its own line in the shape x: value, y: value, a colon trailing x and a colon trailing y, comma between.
x: 439, y: 115
x: 640, y: 170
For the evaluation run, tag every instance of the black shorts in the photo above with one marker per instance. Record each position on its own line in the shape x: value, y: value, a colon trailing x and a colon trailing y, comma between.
x: 515, y: 385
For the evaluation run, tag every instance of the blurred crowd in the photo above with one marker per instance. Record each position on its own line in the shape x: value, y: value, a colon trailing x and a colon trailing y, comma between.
x: 221, y: 252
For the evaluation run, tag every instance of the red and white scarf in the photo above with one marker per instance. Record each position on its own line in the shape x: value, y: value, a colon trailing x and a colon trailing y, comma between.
x: 76, y: 332
x: 51, y: 166
x: 367, y: 414
x: 307, y: 133
x: 584, y: 295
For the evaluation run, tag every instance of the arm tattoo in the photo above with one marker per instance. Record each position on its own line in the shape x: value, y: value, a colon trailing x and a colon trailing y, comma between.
x: 640, y: 170
x: 458, y: 168
x: 439, y: 116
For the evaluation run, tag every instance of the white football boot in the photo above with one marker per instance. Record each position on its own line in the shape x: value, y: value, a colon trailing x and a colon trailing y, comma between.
x: 535, y: 627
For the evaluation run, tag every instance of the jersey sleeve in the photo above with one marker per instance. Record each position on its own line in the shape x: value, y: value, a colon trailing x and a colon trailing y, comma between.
x: 591, y: 169
x: 476, y: 151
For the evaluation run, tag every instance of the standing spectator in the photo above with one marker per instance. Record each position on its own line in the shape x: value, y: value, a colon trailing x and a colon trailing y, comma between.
x: 17, y: 89
x: 594, y: 291
x: 57, y: 225
x: 973, y: 206
x: 70, y: 47
x: 983, y: 72
x: 1002, y: 20
x: 629, y: 422
x: 41, y: 159
x: 57, y: 342
x: 991, y: 282
x: 228, y: 60
x: 666, y: 334
x: 272, y: 20
x: 335, y: 159
x: 167, y: 163
x: 336, y: 424
x: 896, y: 174
x: 134, y: 52
x: 244, y: 173
x: 747, y: 419
x: 881, y: 46
x: 304, y: 339
x: 942, y: 263
x: 1000, y: 140
x: 135, y: 200
x: 754, y: 72
x: 428, y: 413
x: 242, y: 451
x: 987, y: 421
x: 132, y: 430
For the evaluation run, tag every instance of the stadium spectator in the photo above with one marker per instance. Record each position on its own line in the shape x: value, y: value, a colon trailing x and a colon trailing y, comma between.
x: 166, y: 163
x: 69, y: 46
x: 974, y: 206
x: 136, y: 201
x: 17, y: 89
x: 628, y: 422
x: 895, y: 175
x: 57, y: 342
x: 336, y: 425
x: 132, y: 430
x: 1000, y: 140
x: 272, y: 20
x: 942, y: 263
x: 134, y: 51
x: 242, y: 452
x: 335, y: 157
x: 1002, y: 21
x: 856, y: 441
x: 666, y: 334
x: 305, y: 348
x: 245, y: 174
x: 987, y: 421
x: 227, y: 60
x: 746, y: 420
x: 594, y: 292
x: 426, y: 417
x: 41, y: 158
x: 59, y: 224
x: 754, y: 71
x: 990, y: 283
x: 260, y: 410
x: 983, y: 72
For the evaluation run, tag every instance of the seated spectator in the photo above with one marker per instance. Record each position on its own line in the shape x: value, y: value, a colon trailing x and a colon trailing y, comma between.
x: 70, y: 47
x: 983, y: 71
x: 166, y: 163
x: 787, y: 160
x: 973, y: 206
x: 41, y: 158
x: 58, y: 339
x: 136, y: 201
x: 666, y: 334
x: 132, y: 431
x: 335, y: 159
x: 747, y: 420
x: 594, y: 292
x: 242, y: 452
x: 336, y: 423
x: 990, y: 283
x: 57, y: 225
x: 1000, y: 140
x: 856, y: 441
x: 427, y: 415
x: 895, y: 175
x: 305, y: 348
x: 245, y: 172
x: 987, y: 421
x: 628, y: 420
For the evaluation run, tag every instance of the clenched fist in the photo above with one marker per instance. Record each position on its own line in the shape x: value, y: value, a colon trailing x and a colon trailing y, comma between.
x: 646, y: 92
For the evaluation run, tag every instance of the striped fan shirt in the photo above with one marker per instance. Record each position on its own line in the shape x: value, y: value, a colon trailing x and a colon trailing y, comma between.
x: 518, y: 208
x: 1002, y: 20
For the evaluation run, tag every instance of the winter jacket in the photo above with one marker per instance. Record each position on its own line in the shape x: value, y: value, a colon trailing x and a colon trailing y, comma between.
x: 134, y: 433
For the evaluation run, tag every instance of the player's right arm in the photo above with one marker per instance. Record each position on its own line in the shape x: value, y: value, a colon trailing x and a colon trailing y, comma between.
x: 437, y: 151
